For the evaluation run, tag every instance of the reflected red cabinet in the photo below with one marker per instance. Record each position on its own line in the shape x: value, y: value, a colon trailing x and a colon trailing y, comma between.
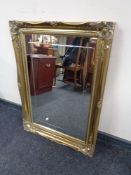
x: 41, y: 73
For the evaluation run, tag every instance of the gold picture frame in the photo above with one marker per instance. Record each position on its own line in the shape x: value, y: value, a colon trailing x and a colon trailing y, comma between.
x: 103, y: 31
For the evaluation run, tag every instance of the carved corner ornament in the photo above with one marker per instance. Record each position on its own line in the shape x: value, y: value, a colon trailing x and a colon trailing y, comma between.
x: 15, y: 26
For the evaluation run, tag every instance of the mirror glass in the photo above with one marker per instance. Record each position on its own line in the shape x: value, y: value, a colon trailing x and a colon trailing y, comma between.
x: 60, y: 71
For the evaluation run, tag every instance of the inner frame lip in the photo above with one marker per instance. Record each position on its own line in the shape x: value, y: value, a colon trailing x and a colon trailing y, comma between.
x: 23, y: 32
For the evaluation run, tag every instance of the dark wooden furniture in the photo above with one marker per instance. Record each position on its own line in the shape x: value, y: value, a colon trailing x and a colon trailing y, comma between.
x: 72, y: 72
x: 81, y: 72
x: 41, y: 73
x: 42, y: 49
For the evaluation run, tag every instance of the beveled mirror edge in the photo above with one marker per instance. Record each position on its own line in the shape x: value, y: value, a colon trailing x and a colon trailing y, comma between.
x: 104, y: 32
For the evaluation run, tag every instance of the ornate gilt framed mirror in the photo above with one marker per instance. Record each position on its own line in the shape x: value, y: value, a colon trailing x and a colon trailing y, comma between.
x: 61, y: 77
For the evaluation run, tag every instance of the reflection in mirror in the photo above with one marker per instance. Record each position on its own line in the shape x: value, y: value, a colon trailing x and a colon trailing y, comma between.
x: 60, y: 70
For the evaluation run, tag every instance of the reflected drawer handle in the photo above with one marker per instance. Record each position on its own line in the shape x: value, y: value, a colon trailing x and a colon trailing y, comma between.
x: 48, y: 65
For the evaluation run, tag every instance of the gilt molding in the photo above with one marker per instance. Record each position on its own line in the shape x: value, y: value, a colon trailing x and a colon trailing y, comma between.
x: 103, y: 31
x: 105, y: 28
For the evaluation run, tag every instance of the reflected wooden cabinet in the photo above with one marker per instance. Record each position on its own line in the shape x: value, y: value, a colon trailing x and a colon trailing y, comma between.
x: 41, y: 72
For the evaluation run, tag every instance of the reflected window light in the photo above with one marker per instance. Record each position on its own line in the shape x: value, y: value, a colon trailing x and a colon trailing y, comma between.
x: 47, y: 39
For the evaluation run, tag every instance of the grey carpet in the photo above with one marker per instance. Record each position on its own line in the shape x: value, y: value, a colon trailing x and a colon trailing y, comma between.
x: 23, y: 153
x: 63, y: 109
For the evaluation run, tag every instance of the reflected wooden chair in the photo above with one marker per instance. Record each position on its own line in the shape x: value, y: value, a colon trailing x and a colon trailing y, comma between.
x: 79, y: 73
x: 70, y: 72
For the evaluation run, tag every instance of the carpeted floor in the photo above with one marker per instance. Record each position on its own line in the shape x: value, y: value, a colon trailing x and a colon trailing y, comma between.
x: 23, y: 153
x: 63, y: 109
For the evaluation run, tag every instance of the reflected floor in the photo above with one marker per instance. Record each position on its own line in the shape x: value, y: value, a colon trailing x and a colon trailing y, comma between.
x: 63, y: 109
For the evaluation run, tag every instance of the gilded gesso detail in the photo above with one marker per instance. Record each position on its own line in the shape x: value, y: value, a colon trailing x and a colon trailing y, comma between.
x: 104, y: 33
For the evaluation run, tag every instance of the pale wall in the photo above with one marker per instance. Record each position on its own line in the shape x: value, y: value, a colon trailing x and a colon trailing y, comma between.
x: 116, y: 111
